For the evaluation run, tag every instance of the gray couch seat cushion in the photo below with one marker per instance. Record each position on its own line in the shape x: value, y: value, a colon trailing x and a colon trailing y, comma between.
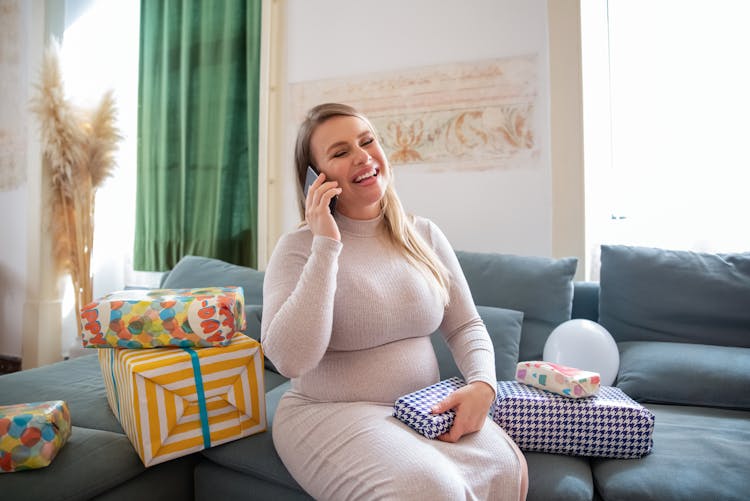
x: 699, y: 453
x: 540, y: 287
x: 683, y: 373
x: 91, y: 463
x: 652, y: 294
x: 215, y: 483
x: 504, y: 328
x: 77, y: 381
x: 559, y: 477
x: 255, y: 455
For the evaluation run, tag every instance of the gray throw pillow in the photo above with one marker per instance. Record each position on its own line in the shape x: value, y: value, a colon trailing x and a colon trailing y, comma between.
x: 254, y: 314
x: 688, y: 374
x: 650, y: 294
x: 540, y: 287
x: 504, y: 328
x: 196, y: 271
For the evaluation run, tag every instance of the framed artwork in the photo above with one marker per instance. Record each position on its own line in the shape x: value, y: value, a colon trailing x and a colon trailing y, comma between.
x: 472, y: 115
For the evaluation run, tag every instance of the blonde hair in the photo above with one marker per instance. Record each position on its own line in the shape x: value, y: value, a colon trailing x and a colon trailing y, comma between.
x: 399, y: 226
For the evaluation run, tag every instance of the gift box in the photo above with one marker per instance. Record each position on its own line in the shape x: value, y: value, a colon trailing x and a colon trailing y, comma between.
x: 173, y: 402
x: 32, y: 434
x: 560, y: 379
x: 154, y: 318
x: 414, y: 408
x: 609, y: 424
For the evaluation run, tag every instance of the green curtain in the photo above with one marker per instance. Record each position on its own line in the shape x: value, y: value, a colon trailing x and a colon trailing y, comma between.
x: 197, y: 186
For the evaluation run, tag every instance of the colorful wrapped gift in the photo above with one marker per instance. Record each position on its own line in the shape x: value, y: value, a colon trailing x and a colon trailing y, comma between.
x: 609, y: 424
x: 154, y: 318
x: 414, y: 408
x: 32, y: 434
x: 173, y: 402
x: 565, y: 381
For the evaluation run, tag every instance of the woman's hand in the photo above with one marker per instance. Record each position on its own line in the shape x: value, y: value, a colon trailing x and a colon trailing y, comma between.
x: 317, y: 213
x: 472, y: 404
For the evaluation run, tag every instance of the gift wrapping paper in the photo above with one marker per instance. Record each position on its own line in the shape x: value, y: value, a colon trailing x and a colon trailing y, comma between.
x: 565, y: 381
x: 414, y: 408
x: 609, y: 424
x: 154, y: 318
x: 32, y: 434
x: 173, y: 402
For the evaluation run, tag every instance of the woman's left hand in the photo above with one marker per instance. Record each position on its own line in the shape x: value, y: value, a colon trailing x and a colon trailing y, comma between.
x: 472, y: 404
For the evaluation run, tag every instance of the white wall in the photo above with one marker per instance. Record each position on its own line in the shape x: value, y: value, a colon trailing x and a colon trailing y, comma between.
x: 15, y: 74
x: 494, y: 210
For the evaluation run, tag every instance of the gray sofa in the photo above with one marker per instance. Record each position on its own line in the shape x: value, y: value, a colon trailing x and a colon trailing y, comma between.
x: 681, y: 320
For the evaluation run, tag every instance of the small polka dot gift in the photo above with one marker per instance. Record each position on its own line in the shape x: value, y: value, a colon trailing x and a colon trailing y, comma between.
x: 32, y: 434
x: 183, y: 318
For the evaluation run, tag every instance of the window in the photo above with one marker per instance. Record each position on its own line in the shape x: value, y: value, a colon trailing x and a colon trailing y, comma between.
x: 666, y: 100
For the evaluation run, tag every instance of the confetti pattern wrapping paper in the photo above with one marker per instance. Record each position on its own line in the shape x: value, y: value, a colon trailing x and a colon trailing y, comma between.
x: 154, y: 318
x: 173, y: 402
x: 32, y: 434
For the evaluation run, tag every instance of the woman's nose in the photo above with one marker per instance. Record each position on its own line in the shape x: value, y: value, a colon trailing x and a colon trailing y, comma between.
x: 362, y: 156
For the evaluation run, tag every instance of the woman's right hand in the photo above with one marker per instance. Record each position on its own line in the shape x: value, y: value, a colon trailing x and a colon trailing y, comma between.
x: 317, y: 214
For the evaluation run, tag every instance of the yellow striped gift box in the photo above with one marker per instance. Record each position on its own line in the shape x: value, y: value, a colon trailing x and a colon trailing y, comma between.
x: 175, y: 401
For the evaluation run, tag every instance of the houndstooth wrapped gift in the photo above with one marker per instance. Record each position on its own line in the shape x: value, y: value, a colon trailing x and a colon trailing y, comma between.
x: 414, y: 408
x: 609, y: 424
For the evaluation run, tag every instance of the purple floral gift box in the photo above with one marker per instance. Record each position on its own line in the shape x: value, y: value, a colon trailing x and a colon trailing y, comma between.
x: 609, y: 424
x: 414, y: 408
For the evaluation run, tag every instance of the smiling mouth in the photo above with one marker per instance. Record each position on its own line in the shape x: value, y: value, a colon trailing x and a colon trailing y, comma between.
x: 367, y: 175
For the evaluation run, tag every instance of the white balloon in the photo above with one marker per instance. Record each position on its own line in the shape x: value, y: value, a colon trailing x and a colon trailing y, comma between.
x: 585, y: 345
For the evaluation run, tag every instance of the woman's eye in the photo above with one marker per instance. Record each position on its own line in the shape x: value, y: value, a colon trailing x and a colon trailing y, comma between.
x: 367, y: 141
x: 339, y: 154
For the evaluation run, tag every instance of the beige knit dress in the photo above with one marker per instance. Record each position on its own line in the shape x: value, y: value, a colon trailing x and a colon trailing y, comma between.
x: 349, y: 322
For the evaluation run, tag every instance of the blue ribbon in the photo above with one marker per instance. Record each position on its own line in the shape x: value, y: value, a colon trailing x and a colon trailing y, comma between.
x: 114, y: 381
x: 201, y: 397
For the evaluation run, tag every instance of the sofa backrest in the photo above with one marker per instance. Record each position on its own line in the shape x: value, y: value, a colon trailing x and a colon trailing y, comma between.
x: 585, y: 300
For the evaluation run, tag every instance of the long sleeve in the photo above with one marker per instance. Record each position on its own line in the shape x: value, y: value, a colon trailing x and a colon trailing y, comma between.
x: 463, y: 328
x: 298, y: 299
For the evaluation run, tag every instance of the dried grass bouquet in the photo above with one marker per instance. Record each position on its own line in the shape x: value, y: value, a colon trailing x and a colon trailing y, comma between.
x: 78, y: 149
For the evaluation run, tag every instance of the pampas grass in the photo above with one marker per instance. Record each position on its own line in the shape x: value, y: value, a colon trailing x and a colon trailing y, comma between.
x: 78, y: 149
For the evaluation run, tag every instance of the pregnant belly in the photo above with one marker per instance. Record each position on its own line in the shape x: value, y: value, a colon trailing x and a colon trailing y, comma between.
x: 380, y: 374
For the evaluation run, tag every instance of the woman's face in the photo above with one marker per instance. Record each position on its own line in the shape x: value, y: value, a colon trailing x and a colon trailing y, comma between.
x: 346, y: 150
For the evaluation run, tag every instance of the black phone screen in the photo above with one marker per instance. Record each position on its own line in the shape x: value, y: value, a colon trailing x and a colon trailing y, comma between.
x: 310, y: 178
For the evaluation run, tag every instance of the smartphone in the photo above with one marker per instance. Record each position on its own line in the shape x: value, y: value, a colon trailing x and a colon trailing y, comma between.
x: 312, y: 175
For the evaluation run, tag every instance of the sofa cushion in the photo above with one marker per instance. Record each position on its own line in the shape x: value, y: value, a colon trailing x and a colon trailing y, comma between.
x: 540, y: 287
x: 652, y: 294
x: 699, y: 453
x: 77, y: 381
x: 214, y: 482
x: 559, y: 477
x: 682, y: 373
x: 253, y: 314
x: 92, y: 462
x: 504, y: 327
x: 198, y: 271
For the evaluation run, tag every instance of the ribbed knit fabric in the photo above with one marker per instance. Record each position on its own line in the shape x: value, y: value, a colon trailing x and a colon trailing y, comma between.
x: 349, y: 322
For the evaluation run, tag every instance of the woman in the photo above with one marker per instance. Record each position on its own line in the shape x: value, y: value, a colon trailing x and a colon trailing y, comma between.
x: 350, y: 301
